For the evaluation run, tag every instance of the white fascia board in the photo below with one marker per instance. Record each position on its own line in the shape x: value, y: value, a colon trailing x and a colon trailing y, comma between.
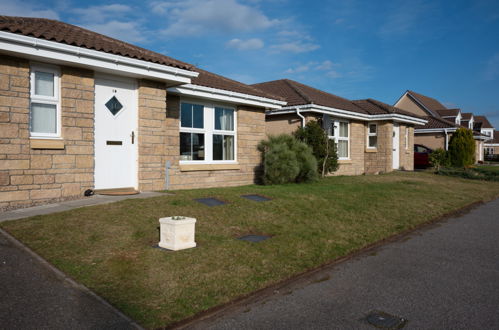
x: 58, y: 53
x: 225, y: 96
x: 434, y: 130
x: 491, y: 144
x: 348, y: 114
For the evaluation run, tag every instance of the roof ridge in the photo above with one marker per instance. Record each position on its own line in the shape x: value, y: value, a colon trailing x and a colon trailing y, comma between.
x: 298, y: 90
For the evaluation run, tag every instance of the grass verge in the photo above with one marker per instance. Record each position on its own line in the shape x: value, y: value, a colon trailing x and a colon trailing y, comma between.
x: 109, y: 249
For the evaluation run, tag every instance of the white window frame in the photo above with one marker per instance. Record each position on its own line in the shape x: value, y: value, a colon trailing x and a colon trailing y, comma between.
x: 336, y: 137
x: 369, y: 134
x: 208, y: 131
x: 42, y: 99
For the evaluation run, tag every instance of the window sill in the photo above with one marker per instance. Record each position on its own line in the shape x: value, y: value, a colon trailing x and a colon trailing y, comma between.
x: 371, y: 149
x: 45, y: 143
x: 208, y: 167
x: 344, y: 161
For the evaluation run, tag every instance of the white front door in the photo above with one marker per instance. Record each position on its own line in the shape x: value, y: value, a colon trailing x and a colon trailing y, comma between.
x: 115, y: 133
x: 396, y: 146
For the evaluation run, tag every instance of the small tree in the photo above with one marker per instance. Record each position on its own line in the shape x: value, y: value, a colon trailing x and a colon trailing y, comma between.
x: 323, y: 148
x: 285, y: 159
x: 462, y: 148
x: 439, y: 158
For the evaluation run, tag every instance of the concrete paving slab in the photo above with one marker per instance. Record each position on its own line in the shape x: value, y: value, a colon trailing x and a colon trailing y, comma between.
x: 69, y: 205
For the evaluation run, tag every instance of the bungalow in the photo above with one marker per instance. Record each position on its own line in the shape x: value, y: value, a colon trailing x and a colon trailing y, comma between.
x: 442, y: 122
x: 79, y: 110
x: 371, y: 136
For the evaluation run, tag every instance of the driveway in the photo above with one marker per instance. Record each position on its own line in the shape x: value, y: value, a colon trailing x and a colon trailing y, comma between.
x: 33, y: 295
x: 442, y: 277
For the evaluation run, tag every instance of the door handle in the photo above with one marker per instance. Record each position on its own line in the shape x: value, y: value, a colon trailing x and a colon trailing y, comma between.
x: 133, y: 137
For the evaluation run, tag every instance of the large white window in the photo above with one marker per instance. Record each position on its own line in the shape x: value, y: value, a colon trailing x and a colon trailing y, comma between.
x: 207, y: 133
x: 372, y: 136
x: 339, y: 131
x: 45, y: 102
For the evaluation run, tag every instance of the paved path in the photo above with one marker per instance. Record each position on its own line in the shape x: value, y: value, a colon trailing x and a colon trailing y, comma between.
x: 69, y: 205
x: 445, y: 277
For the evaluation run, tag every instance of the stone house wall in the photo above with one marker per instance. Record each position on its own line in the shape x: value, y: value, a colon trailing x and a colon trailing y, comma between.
x: 36, y: 171
x: 406, y: 151
x: 250, y: 131
x: 380, y: 160
x: 356, y: 164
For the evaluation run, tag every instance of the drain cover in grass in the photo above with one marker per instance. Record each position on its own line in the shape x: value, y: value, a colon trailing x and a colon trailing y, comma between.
x: 256, y: 198
x: 254, y: 238
x: 210, y: 201
x: 384, y: 320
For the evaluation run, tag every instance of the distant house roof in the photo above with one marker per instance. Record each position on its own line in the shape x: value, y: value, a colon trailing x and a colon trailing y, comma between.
x: 448, y: 112
x: 428, y: 102
x: 466, y: 116
x: 209, y: 79
x: 483, y: 121
x: 65, y: 33
x: 375, y: 107
x: 495, y: 140
x: 296, y: 93
x: 434, y: 123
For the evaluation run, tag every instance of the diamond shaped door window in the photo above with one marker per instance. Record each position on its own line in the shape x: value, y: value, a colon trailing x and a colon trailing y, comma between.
x: 114, y: 105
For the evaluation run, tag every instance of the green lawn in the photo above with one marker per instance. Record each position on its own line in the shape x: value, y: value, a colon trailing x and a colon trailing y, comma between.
x: 109, y: 248
x: 490, y: 167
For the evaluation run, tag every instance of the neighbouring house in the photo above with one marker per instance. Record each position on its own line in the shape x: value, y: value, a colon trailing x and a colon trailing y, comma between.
x: 371, y: 136
x: 79, y: 110
x: 441, y: 122
x: 492, y: 145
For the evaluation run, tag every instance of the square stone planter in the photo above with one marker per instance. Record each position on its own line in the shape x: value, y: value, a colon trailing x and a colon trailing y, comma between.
x: 177, y: 233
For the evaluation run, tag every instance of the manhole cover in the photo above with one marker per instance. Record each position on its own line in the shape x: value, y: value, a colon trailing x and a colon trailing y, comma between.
x: 254, y: 238
x: 210, y: 201
x: 385, y: 321
x: 256, y: 198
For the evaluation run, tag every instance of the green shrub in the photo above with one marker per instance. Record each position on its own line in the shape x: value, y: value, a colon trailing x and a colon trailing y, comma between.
x: 323, y: 148
x: 462, y: 148
x: 439, y: 158
x: 285, y: 159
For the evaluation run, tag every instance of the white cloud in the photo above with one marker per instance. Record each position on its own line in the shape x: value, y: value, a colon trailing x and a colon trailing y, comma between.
x: 249, y: 44
x: 198, y: 17
x: 298, y: 69
x: 295, y: 47
x: 492, y: 68
x: 26, y: 9
x: 403, y: 17
x: 101, y: 13
x: 126, y: 31
x: 326, y: 65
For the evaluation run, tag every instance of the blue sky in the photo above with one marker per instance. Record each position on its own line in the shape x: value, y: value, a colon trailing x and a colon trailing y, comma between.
x: 356, y: 49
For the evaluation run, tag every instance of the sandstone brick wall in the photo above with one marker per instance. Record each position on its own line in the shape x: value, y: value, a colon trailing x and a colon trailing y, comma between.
x: 36, y: 176
x: 431, y: 140
x: 250, y: 131
x: 381, y: 159
x: 153, y: 135
x: 406, y: 152
x: 282, y: 124
x: 356, y: 164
